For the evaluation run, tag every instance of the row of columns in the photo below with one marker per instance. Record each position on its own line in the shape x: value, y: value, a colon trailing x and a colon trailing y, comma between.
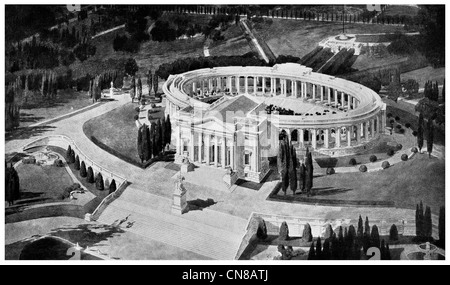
x: 277, y: 86
x: 366, y: 131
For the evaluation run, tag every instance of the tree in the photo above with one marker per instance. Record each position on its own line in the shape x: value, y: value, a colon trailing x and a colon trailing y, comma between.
x: 140, y: 143
x: 112, y: 186
x: 367, y: 226
x: 375, y: 237
x: 139, y: 89
x: 326, y: 252
x: 261, y: 232
x: 168, y: 131
x: 133, y: 89
x: 282, y: 163
x: 160, y: 137
x: 309, y: 173
x: 69, y: 154
x: 153, y: 139
x: 441, y: 227
x: 312, y: 252
x: 328, y: 232
x: 149, y: 81
x: 146, y: 143
x: 393, y: 233
x: 83, y: 172
x: 90, y: 175
x: 155, y: 84
x: 307, y: 234
x: 284, y: 231
x: 131, y: 67
x: 12, y: 185
x: 388, y: 252
x: 427, y: 223
x: 77, y: 163
x: 293, y: 169
x: 319, y: 249
x: 72, y: 156
x: 430, y: 137
x: 419, y: 220
x: 99, y: 184
x: 301, y: 173
x: 163, y: 133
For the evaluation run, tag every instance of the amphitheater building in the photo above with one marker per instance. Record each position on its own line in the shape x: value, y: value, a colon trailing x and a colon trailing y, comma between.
x: 232, y: 117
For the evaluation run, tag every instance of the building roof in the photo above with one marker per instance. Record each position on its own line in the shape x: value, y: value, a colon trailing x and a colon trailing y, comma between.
x: 240, y: 106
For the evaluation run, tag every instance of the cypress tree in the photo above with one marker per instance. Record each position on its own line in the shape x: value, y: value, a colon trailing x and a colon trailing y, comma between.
x: 77, y: 163
x: 83, y: 172
x: 90, y: 175
x: 139, y: 89
x: 72, y: 156
x: 132, y: 89
x: 393, y: 233
x: 99, y: 184
x: 301, y: 173
x: 69, y: 154
x: 328, y: 232
x: 335, y: 251
x: 428, y: 224
x: 319, y: 249
x: 163, y: 133
x: 157, y: 147
x: 149, y: 81
x: 442, y: 227
x: 430, y: 137
x: 326, y: 254
x: 293, y: 170
x: 388, y: 252
x: 383, y: 250
x: 155, y: 84
x: 375, y: 237
x: 420, y: 132
x: 312, y: 252
x: 418, y: 234
x: 420, y: 221
x: 307, y: 234
x: 160, y: 136
x: 168, y: 131
x: 284, y: 231
x: 146, y: 154
x: 309, y: 172
x: 367, y: 226
x: 360, y: 232
x: 112, y: 186
x: 153, y: 139
x: 140, y: 143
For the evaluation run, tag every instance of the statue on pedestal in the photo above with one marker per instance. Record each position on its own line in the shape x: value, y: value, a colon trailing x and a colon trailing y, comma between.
x: 179, y: 204
x: 111, y: 89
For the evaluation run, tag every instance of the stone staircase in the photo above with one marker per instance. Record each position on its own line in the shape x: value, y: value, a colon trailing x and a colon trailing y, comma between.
x: 208, y: 233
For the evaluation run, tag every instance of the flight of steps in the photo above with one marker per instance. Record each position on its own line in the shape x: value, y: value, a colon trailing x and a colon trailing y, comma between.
x: 208, y: 233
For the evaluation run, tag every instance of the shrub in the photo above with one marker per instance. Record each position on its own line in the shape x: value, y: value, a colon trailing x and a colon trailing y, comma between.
x: 83, y: 172
x: 393, y: 233
x: 99, y: 182
x: 414, y: 133
x: 307, y: 234
x: 397, y: 118
x: 389, y: 115
x: 72, y: 156
x: 373, y: 158
x: 414, y: 149
x: 408, y: 125
x: 363, y: 168
x: 76, y: 186
x: 136, y: 117
x: 137, y: 109
x: 112, y: 186
x: 398, y: 127
x: 390, y: 152
x: 404, y: 157
x: 90, y: 175
x: 29, y: 160
x: 68, y: 153
x: 401, y: 131
x: 330, y: 171
x: 77, y: 163
x: 399, y: 146
x: 284, y: 231
x: 261, y: 232
x: 385, y: 164
x: 58, y: 163
x: 153, y: 105
x: 352, y: 161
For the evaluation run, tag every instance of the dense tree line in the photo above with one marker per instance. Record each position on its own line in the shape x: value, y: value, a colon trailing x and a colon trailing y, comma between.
x: 153, y: 139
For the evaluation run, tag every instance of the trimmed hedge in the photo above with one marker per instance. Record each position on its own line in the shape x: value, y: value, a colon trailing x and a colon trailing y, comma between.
x: 363, y: 168
x: 404, y: 157
x: 408, y: 125
x: 112, y: 186
x: 373, y: 158
x: 330, y: 171
x: 399, y: 147
x: 391, y: 152
x: 385, y: 164
x: 352, y: 161
x: 90, y: 175
x: 414, y: 133
x: 58, y: 163
x: 99, y: 184
x: 83, y: 172
x: 414, y: 149
x: 77, y: 163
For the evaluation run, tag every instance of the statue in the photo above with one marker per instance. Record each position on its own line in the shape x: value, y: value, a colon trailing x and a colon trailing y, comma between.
x: 179, y: 204
x: 111, y: 90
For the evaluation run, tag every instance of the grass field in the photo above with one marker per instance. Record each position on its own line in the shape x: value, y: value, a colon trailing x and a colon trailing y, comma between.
x: 401, y: 10
x: 297, y: 38
x: 42, y: 184
x: 425, y: 74
x: 406, y: 183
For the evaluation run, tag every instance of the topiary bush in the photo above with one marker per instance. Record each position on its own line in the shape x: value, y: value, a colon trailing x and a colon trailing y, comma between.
x: 401, y: 131
x: 112, y: 186
x: 363, y: 168
x: 399, y: 147
x: 414, y: 149
x: 137, y: 109
x: 136, y: 117
x: 373, y: 158
x: 397, y: 118
x: 99, y: 184
x: 330, y: 171
x: 414, y: 133
x: 307, y: 233
x: 58, y: 163
x: 389, y: 115
x: 393, y: 233
x: 352, y: 161
x: 68, y: 153
x: 83, y: 172
x: 261, y: 232
x: 398, y: 127
x: 385, y: 164
x: 284, y: 231
x: 408, y: 125
x: 77, y: 163
x: 404, y: 157
x: 66, y: 192
x: 390, y: 152
x: 90, y: 175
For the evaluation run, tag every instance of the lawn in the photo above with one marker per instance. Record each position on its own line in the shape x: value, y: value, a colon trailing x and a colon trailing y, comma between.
x: 37, y: 110
x: 297, y: 38
x: 406, y: 184
x: 116, y: 130
x: 41, y: 184
x: 401, y: 10
x: 425, y: 74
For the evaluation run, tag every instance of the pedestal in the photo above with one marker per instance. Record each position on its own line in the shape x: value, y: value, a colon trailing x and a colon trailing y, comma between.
x: 179, y: 203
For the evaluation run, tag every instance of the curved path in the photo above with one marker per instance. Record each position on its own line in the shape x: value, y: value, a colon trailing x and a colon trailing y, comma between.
x: 197, y: 231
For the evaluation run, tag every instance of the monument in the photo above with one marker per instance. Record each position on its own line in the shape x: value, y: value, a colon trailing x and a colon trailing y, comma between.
x: 179, y: 204
x: 186, y: 166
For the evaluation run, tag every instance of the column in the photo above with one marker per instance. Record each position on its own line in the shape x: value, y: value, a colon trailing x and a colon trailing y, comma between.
x: 255, y: 157
x: 192, y: 147
x: 358, y: 133
x: 223, y: 156
x: 349, y: 135
x: 210, y: 85
x: 237, y: 84
x: 271, y: 85
x: 372, y: 128
x: 292, y: 88
x: 263, y: 85
x: 329, y: 95
x: 313, y: 91
x: 314, y: 138
x: 207, y: 149
x: 179, y: 147
x: 254, y: 85
x: 246, y: 84
x: 219, y: 83
x: 335, y: 97
x: 337, y: 135
x: 321, y: 93
x: 378, y: 123
x: 327, y: 138
x: 200, y: 147
x: 366, y: 130
x: 232, y: 156
x: 300, y: 137
x: 216, y: 150
x: 194, y: 88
